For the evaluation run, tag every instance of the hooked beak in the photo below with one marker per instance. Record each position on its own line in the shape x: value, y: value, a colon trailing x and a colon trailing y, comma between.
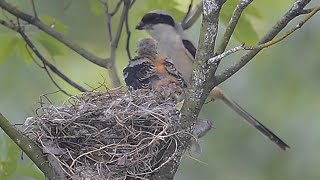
x: 140, y: 26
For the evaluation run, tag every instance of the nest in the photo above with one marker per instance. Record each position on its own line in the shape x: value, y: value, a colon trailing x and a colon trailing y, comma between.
x: 119, y: 134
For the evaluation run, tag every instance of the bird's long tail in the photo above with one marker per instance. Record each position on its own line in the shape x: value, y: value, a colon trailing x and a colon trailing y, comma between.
x: 217, y: 93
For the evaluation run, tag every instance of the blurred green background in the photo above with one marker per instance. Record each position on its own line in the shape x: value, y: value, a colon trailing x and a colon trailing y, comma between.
x: 280, y: 87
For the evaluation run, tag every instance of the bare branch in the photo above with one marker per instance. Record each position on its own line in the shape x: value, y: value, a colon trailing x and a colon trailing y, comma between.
x: 294, y: 11
x: 115, y: 81
x: 128, y: 32
x: 108, y: 19
x: 57, y: 35
x: 30, y: 148
x: 46, y: 63
x: 116, y: 8
x: 219, y: 57
x: 34, y: 9
x: 55, y: 83
x: 186, y: 16
x: 186, y: 24
x: 47, y: 71
x: 232, y: 24
x: 128, y: 38
x: 216, y: 60
x: 112, y: 71
x: 9, y: 25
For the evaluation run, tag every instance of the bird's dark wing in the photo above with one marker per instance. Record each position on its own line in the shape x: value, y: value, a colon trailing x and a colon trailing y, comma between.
x: 168, y: 63
x: 138, y: 73
x: 190, y: 47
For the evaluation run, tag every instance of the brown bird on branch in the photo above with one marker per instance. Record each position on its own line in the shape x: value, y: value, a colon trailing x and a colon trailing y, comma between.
x: 150, y: 70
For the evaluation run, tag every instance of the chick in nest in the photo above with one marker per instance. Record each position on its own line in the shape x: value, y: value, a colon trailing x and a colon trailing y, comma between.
x: 151, y: 70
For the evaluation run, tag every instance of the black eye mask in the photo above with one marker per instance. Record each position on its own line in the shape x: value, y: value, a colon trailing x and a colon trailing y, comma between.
x: 155, y: 18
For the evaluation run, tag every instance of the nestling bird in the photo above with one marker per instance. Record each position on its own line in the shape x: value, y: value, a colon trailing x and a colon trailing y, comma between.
x: 172, y: 42
x: 151, y: 70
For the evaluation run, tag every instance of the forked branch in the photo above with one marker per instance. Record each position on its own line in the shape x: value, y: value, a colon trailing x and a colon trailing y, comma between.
x: 296, y: 10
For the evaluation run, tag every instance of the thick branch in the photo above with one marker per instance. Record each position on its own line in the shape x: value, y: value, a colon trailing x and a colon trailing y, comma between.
x: 57, y: 35
x: 295, y: 10
x: 29, y: 147
x: 200, y: 88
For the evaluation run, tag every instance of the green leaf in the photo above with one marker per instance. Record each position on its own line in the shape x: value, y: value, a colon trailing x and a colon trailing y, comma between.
x: 7, y: 46
x: 23, y: 51
x: 14, y: 150
x: 254, y: 12
x: 54, y: 23
x: 9, y: 165
x: 183, y: 5
x: 30, y: 171
x: 96, y: 7
x: 169, y: 6
x: 53, y: 46
x: 244, y: 31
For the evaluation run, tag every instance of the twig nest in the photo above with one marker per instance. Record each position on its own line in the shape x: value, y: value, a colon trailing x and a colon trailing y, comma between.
x: 114, y: 135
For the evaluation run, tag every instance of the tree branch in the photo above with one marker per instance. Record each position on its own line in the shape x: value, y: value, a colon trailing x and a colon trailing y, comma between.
x: 232, y: 24
x: 198, y: 92
x: 128, y: 33
x: 116, y: 8
x: 208, y: 33
x: 112, y: 71
x: 46, y: 63
x: 128, y: 38
x: 186, y: 16
x: 219, y: 57
x: 106, y: 63
x: 30, y: 148
x: 34, y: 9
x: 295, y: 10
x: 187, y: 23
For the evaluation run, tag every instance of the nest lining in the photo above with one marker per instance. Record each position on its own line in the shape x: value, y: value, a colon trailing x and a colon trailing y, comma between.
x: 114, y: 135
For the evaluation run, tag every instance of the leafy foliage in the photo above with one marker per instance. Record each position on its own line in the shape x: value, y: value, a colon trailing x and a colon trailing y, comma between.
x: 24, y: 51
x: 54, y: 23
x: 7, y: 46
x: 245, y: 31
x: 53, y: 46
x: 169, y: 6
x: 96, y: 7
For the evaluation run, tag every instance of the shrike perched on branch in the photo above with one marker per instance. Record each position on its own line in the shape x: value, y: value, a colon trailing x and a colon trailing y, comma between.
x: 172, y: 42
